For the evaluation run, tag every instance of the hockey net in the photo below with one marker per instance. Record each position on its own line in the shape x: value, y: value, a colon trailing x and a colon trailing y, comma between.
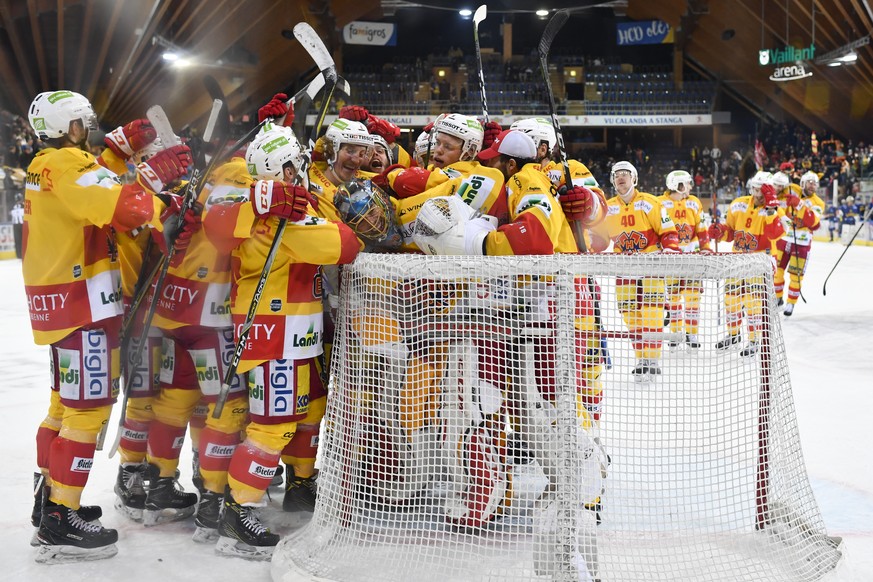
x: 467, y: 437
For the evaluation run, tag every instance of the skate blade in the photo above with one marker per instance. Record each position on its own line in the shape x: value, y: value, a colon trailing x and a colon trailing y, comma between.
x: 205, y: 535
x: 231, y: 547
x: 130, y: 513
x: 152, y: 517
x: 34, y: 539
x: 71, y: 554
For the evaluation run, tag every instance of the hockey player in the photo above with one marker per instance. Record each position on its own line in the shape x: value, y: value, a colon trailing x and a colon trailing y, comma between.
x: 686, y: 211
x: 285, y: 399
x: 752, y: 223
x: 423, y: 146
x: 636, y: 222
x: 543, y: 134
x: 74, y: 298
x: 805, y: 209
x: 386, y: 134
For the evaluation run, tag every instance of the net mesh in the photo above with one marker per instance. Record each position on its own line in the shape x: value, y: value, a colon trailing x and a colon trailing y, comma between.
x: 585, y: 417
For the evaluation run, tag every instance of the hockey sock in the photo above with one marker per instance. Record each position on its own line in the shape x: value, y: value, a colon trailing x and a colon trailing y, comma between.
x: 300, y: 452
x: 250, y: 472
x: 165, y: 446
x: 70, y: 466
x: 216, y: 449
x: 134, y: 437
x: 45, y: 435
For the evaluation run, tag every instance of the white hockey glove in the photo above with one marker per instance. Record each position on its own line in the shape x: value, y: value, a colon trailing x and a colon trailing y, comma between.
x: 445, y: 226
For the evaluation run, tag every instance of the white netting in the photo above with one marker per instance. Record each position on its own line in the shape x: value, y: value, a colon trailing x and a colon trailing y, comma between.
x: 462, y: 439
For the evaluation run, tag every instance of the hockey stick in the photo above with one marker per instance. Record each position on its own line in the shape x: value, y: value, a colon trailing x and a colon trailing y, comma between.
x: 319, y: 53
x: 217, y: 126
x: 552, y: 27
x: 851, y: 240
x: 478, y: 17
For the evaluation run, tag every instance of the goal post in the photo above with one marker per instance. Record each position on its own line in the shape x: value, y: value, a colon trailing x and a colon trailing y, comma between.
x: 569, y: 417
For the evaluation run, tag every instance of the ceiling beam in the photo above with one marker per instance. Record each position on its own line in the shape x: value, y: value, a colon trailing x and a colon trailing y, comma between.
x: 38, y: 49
x: 83, y: 44
x: 19, y: 49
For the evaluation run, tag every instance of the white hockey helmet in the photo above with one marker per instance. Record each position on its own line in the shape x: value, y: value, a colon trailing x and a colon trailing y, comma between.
x: 378, y: 140
x: 850, y: 199
x: 627, y: 166
x: 51, y: 113
x: 678, y: 177
x: 539, y: 128
x: 759, y: 179
x: 467, y: 129
x: 346, y: 131
x: 807, y: 178
x: 781, y: 181
x: 271, y: 150
x: 422, y: 145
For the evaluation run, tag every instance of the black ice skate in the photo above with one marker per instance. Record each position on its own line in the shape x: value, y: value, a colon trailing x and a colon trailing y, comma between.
x: 646, y: 370
x: 41, y: 493
x: 789, y: 309
x: 65, y: 537
x: 208, y: 514
x: 196, y: 479
x: 299, y: 493
x: 277, y: 478
x: 242, y: 534
x: 750, y: 350
x: 130, y: 494
x: 692, y: 340
x: 165, y: 500
x: 728, y: 341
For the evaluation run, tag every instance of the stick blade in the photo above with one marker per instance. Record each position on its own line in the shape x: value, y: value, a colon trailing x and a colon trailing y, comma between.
x: 307, y: 37
x: 480, y: 14
x: 213, y: 87
x: 556, y: 22
x: 158, y: 118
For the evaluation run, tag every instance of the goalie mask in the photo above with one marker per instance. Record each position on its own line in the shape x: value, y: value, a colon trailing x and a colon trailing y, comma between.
x: 51, y: 113
x: 271, y: 150
x: 366, y: 209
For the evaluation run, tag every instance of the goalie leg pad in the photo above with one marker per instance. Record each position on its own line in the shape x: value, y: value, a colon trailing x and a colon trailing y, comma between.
x: 483, y: 453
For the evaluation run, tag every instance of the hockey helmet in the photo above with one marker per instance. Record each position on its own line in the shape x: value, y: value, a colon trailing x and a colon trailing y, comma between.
x: 759, y: 179
x: 271, y: 150
x: 467, y: 129
x: 422, y: 145
x: 780, y: 181
x: 626, y: 166
x: 539, y: 128
x: 676, y: 178
x: 378, y: 140
x: 346, y: 131
x: 51, y: 113
x: 809, y: 177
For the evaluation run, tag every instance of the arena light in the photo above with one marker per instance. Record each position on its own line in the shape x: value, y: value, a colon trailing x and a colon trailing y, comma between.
x: 542, y: 13
x: 465, y: 13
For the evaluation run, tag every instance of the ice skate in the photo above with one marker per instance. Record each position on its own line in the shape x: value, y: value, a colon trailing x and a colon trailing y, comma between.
x: 750, y: 350
x: 692, y: 340
x: 242, y: 534
x: 728, y: 341
x: 299, y: 493
x: 208, y: 514
x: 646, y: 370
x: 789, y: 309
x: 65, y: 537
x: 166, y: 501
x: 130, y: 492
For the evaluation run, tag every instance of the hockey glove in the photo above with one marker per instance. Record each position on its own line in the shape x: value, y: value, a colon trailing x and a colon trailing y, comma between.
x: 577, y: 202
x: 276, y: 108
x: 769, y: 193
x: 354, y: 113
x: 382, y: 127
x: 492, y: 130
x: 793, y: 200
x: 716, y: 230
x: 273, y: 198
x: 178, y: 230
x: 124, y: 140
x: 165, y: 167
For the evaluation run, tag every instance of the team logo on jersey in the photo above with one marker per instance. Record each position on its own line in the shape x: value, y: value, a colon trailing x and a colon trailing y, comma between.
x: 529, y: 201
x: 628, y: 242
x: 275, y: 305
x: 202, y: 272
x: 745, y: 242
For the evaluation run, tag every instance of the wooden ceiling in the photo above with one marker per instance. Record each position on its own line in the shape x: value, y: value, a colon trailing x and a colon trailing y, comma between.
x: 110, y: 51
x: 837, y: 97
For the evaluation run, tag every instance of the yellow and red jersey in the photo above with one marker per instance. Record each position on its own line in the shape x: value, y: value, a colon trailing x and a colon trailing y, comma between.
x: 481, y: 189
x: 686, y: 214
x: 70, y: 266
x: 537, y: 224
x: 289, y: 321
x: 805, y: 219
x: 641, y: 225
x: 751, y: 228
x: 581, y: 176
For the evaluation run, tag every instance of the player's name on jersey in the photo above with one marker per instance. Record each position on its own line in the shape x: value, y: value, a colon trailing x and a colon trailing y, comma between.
x: 667, y: 120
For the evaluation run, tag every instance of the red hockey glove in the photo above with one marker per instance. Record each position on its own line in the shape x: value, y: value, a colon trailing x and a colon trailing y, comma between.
x: 492, y: 130
x: 276, y: 108
x: 354, y: 113
x: 124, y: 140
x: 165, y: 167
x: 428, y: 128
x: 577, y: 202
x: 793, y: 200
x: 410, y: 181
x: 716, y: 230
x: 273, y: 198
x: 178, y: 230
x: 382, y: 127
x: 669, y: 243
x: 770, y: 199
